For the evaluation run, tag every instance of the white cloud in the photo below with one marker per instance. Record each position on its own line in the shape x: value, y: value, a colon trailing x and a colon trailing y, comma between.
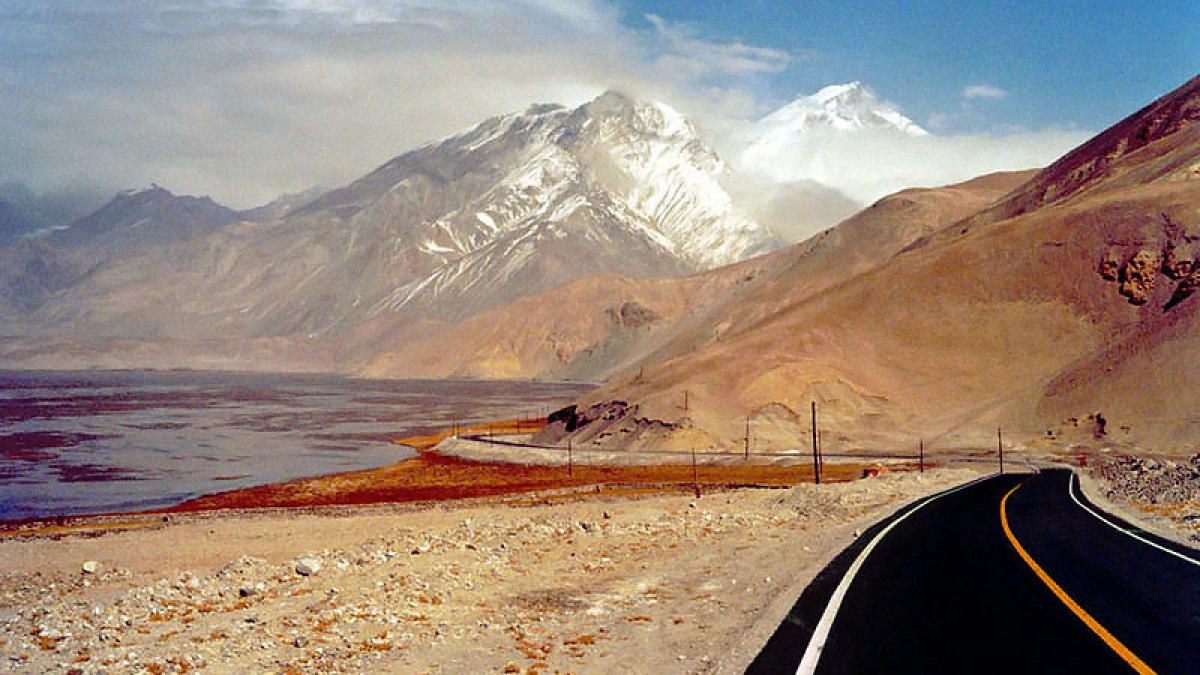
x: 867, y: 164
x: 983, y: 91
x: 246, y: 99
x: 685, y: 52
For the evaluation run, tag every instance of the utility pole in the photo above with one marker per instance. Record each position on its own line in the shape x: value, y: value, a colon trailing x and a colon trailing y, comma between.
x: 921, y: 454
x: 695, y: 477
x: 821, y: 451
x: 816, y: 455
x: 1000, y: 445
x: 747, y: 438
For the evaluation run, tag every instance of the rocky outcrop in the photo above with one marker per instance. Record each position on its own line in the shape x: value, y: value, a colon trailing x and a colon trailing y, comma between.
x: 632, y: 315
x: 1138, y: 274
x: 1179, y: 260
x: 1172, y: 254
x: 562, y: 423
x: 1110, y: 265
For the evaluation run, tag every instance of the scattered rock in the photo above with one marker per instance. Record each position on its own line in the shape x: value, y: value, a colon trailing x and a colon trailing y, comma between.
x: 91, y: 567
x: 1149, y: 480
x: 1110, y: 264
x: 1176, y: 265
x: 307, y: 566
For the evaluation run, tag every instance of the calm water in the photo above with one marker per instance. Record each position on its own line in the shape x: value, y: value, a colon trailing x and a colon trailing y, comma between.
x: 79, y: 442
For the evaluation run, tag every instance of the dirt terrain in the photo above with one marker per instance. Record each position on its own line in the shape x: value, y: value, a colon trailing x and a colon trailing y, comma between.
x: 594, y: 583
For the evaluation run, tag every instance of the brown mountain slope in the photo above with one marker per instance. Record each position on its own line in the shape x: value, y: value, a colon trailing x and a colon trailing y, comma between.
x: 1112, y: 158
x: 596, y: 327
x: 1078, y: 303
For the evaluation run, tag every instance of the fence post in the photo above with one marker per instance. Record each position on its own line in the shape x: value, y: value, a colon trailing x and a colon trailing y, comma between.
x: 921, y: 454
x: 570, y: 460
x: 747, y: 438
x: 816, y: 457
x: 1000, y: 446
x: 695, y: 477
x: 821, y: 450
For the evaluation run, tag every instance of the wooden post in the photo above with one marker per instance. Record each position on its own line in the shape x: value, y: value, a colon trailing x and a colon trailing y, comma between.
x: 695, y: 476
x: 570, y: 460
x: 821, y: 451
x: 685, y: 400
x: 921, y: 454
x: 1000, y: 446
x: 816, y: 457
x: 747, y: 438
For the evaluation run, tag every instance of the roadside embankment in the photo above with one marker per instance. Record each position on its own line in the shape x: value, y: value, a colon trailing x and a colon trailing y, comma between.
x: 1160, y: 494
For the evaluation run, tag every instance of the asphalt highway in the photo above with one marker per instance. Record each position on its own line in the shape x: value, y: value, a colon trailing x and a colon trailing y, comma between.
x: 1014, y: 573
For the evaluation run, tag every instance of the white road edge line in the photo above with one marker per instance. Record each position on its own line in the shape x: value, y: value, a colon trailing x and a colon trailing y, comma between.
x: 1106, y: 521
x: 808, y: 664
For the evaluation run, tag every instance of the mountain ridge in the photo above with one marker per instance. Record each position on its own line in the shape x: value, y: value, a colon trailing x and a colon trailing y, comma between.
x: 1072, y: 306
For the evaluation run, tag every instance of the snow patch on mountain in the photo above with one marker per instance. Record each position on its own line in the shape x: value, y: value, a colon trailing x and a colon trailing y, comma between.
x: 844, y: 107
x: 830, y: 138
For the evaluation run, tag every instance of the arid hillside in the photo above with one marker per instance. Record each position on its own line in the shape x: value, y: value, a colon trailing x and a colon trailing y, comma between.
x: 1069, y: 297
x: 597, y: 327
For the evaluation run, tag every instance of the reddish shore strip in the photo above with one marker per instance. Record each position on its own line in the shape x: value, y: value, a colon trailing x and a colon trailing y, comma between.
x: 430, y: 477
x: 433, y: 477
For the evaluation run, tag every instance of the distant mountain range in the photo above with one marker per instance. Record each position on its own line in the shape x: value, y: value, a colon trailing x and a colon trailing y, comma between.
x: 516, y: 206
x: 604, y: 243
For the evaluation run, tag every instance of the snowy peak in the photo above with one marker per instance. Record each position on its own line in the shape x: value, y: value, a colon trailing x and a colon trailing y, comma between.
x: 652, y: 118
x: 843, y: 107
x: 517, y: 171
x: 524, y: 202
x: 832, y: 138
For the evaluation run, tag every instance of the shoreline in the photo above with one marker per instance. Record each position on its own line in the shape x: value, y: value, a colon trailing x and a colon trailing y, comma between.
x: 429, y: 477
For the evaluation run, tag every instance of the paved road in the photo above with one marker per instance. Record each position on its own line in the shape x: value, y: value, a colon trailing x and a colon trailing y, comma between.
x: 950, y: 587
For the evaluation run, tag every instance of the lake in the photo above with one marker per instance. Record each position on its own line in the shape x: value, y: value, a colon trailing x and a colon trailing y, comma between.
x: 90, y: 442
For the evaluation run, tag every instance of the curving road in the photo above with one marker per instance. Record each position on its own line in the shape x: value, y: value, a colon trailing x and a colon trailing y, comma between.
x: 1013, y: 573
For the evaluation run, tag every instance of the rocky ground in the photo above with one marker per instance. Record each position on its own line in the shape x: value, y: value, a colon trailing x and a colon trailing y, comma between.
x: 659, y: 583
x: 1166, y: 492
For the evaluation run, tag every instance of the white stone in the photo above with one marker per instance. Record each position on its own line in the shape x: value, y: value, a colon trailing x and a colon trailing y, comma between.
x: 307, y: 566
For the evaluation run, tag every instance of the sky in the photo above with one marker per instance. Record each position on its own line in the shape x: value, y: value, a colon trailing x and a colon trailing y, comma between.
x: 245, y: 99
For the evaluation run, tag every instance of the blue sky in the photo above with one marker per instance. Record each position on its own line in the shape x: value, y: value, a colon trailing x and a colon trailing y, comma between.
x: 1067, y: 62
x: 245, y: 99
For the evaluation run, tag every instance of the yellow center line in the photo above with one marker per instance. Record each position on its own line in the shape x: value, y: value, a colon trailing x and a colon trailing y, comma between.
x: 1109, y: 639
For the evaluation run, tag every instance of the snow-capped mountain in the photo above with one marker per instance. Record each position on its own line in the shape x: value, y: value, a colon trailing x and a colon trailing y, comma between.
x: 515, y: 206
x: 831, y: 138
x: 844, y: 107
